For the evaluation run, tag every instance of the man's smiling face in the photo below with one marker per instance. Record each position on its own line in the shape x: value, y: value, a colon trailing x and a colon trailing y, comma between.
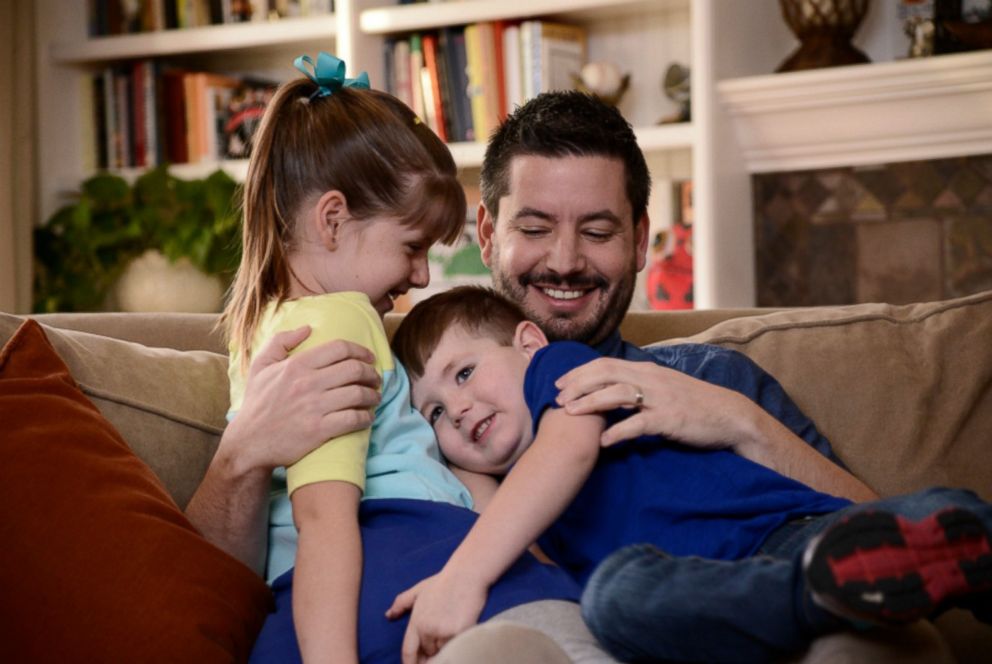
x: 565, y: 246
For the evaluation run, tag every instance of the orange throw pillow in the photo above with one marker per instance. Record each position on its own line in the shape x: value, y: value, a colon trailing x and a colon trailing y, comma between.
x: 97, y: 563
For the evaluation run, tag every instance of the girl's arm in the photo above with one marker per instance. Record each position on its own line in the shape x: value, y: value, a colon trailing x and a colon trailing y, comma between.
x: 328, y: 571
x: 542, y: 484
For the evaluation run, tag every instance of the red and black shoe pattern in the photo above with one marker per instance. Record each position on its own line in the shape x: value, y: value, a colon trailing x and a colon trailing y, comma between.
x: 881, y: 568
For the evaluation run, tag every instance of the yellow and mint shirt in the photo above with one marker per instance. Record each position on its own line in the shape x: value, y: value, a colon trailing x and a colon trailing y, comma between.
x: 398, y: 457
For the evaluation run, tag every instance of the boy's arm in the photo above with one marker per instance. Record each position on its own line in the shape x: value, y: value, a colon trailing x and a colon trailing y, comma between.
x: 482, y: 487
x: 538, y: 489
x: 328, y: 571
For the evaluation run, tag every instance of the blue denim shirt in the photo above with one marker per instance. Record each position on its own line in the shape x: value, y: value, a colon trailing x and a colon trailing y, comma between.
x: 730, y: 369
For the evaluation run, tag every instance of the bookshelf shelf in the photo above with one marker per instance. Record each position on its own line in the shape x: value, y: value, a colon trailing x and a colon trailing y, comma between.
x: 425, y: 16
x: 651, y: 139
x: 215, y: 38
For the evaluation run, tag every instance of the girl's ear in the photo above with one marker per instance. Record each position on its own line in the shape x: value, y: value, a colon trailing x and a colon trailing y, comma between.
x: 529, y: 338
x: 329, y: 213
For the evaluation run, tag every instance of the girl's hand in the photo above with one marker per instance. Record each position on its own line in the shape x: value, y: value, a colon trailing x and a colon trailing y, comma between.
x: 295, y: 403
x: 443, y: 607
x: 672, y: 404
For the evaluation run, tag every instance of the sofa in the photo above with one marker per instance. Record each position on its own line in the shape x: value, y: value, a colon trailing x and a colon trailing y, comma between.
x: 903, y: 392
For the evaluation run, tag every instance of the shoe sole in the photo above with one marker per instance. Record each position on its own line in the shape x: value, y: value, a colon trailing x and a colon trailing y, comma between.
x: 882, y: 568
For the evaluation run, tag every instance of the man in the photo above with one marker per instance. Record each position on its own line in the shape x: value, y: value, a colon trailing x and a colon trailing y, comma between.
x: 563, y: 226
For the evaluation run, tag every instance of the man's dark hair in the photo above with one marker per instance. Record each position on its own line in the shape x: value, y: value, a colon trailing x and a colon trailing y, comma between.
x: 563, y: 124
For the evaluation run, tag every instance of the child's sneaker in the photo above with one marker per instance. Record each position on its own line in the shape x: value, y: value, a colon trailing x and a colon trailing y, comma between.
x: 882, y: 568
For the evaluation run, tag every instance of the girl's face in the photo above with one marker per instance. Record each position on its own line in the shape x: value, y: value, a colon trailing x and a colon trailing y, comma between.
x: 378, y: 256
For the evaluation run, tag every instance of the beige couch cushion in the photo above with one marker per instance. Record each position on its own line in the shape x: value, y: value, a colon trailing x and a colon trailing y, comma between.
x: 904, y: 393
x: 168, y: 405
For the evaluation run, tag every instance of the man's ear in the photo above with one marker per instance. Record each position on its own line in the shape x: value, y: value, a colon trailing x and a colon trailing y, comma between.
x: 641, y: 232
x: 528, y: 338
x: 485, y: 226
x: 328, y: 214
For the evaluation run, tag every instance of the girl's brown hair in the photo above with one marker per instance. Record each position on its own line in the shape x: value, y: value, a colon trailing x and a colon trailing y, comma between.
x: 364, y: 143
x: 477, y: 309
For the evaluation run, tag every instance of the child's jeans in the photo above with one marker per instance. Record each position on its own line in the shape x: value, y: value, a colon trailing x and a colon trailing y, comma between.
x: 644, y: 605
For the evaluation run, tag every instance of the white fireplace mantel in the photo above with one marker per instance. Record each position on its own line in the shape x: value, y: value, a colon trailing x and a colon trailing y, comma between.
x: 926, y: 108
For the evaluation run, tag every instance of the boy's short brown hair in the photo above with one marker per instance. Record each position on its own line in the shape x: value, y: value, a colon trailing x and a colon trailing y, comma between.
x: 477, y: 309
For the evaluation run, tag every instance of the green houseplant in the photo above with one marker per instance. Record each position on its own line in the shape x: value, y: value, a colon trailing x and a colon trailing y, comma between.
x: 83, y: 249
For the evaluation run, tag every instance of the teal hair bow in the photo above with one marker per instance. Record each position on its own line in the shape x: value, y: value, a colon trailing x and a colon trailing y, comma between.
x: 328, y: 74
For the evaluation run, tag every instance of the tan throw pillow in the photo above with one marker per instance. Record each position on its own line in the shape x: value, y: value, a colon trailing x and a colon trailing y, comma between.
x: 168, y: 405
x: 904, y: 393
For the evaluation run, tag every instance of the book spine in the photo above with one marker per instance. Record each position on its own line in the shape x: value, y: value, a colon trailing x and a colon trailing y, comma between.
x: 416, y: 78
x: 434, y: 84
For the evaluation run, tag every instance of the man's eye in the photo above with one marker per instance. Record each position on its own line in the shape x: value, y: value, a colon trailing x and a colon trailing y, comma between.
x: 435, y: 414
x: 597, y: 235
x: 463, y: 375
x: 532, y: 231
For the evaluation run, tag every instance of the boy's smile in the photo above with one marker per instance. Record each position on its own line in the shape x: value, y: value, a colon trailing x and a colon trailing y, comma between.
x: 472, y: 394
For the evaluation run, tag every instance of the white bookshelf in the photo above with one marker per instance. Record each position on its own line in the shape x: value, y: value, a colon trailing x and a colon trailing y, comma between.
x: 745, y: 119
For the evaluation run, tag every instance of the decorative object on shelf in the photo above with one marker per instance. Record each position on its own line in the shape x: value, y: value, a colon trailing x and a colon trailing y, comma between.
x: 918, y: 24
x: 670, y: 277
x: 676, y: 86
x: 824, y: 29
x: 83, y: 249
x: 946, y: 26
x: 603, y: 80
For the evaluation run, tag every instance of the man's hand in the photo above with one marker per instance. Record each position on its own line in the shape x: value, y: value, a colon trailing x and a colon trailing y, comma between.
x: 443, y: 606
x: 674, y: 405
x: 694, y: 412
x: 293, y: 404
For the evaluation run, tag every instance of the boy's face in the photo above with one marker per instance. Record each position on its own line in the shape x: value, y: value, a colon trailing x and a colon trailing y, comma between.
x: 472, y: 394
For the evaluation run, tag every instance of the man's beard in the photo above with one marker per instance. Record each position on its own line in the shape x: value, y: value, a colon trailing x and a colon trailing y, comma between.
x: 597, y: 322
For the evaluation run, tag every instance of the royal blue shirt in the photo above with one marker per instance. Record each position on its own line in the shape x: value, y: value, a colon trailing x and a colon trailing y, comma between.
x: 710, y: 503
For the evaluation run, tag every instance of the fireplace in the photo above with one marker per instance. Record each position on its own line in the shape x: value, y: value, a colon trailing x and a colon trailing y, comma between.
x: 896, y: 232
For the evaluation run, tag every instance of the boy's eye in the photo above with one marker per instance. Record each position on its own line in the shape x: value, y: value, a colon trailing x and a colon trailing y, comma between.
x: 463, y: 375
x: 435, y: 414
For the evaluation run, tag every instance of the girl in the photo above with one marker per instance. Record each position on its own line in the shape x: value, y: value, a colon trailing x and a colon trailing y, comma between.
x: 346, y: 191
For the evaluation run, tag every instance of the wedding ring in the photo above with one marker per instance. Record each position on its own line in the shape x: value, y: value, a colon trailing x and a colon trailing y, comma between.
x: 638, y: 398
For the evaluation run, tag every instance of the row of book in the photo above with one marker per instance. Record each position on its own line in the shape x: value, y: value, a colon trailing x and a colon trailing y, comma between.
x: 464, y: 80
x: 145, y: 115
x: 119, y: 17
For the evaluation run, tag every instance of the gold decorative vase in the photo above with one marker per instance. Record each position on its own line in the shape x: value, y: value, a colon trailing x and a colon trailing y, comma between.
x: 824, y: 29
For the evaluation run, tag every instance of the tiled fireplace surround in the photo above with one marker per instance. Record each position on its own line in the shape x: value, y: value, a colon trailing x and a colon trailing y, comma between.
x: 897, y: 232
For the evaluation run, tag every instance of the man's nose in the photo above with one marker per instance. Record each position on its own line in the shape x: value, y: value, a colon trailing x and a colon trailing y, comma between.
x: 565, y: 254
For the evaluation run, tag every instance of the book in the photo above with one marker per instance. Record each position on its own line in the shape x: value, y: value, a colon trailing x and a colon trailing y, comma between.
x: 550, y: 53
x: 401, y: 72
x: 174, y: 112
x: 432, y: 87
x: 512, y: 80
x: 482, y: 79
x: 244, y: 114
x: 458, y: 71
x: 416, y: 78
x: 452, y: 94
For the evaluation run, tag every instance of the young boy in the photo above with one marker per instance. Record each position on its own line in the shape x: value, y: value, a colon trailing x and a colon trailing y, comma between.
x: 805, y: 563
